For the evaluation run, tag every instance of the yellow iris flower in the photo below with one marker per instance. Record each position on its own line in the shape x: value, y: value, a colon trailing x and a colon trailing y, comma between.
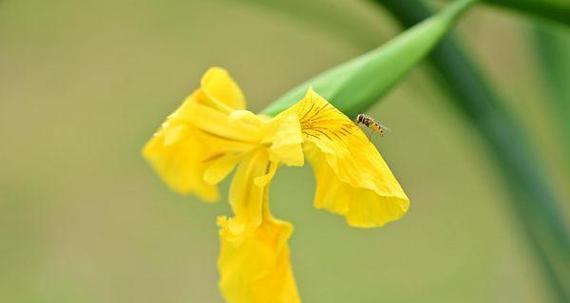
x: 211, y: 133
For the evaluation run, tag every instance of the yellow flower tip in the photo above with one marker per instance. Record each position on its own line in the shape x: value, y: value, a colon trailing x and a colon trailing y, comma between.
x: 352, y: 178
x: 217, y: 84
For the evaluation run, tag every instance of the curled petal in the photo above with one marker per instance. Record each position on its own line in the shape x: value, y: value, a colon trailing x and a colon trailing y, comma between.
x: 352, y: 178
x: 218, y: 86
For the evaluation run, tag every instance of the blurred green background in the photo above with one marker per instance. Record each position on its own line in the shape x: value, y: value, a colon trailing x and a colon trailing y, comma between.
x: 84, y: 84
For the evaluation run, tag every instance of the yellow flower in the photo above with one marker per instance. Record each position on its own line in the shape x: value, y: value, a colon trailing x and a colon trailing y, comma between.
x: 201, y: 142
x: 211, y: 133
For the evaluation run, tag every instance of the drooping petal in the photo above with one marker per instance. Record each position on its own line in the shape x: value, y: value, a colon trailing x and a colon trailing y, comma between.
x: 255, y: 265
x: 352, y: 178
x: 362, y: 207
x: 254, y: 262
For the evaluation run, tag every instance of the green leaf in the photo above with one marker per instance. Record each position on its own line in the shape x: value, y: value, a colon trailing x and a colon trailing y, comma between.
x: 556, y: 10
x: 553, y: 51
x: 532, y: 201
x: 357, y: 84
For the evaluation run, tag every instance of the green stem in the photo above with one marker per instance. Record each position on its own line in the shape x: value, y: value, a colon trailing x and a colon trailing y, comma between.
x: 532, y: 200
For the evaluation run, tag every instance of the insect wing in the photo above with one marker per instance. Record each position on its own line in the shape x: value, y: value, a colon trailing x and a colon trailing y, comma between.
x: 384, y: 127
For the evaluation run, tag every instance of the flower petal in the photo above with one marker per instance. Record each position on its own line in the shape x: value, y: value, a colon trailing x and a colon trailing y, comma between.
x: 198, y: 136
x: 361, y: 206
x: 220, y: 168
x: 245, y: 116
x: 255, y: 265
x: 285, y: 137
x: 219, y: 124
x: 269, y: 174
x: 246, y: 198
x: 352, y: 178
x: 219, y: 86
x: 176, y: 155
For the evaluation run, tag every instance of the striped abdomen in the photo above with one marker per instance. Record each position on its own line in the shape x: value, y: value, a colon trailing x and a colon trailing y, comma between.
x: 370, y: 123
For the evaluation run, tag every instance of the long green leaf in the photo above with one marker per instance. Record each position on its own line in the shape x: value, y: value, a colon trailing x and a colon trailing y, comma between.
x: 357, y: 84
x: 556, y: 10
x: 553, y: 50
x: 533, y: 201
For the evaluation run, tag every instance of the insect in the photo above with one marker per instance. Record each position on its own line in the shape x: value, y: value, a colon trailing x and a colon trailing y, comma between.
x: 372, y: 124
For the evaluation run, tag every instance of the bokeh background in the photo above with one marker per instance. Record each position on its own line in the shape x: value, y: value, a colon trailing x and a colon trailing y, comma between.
x: 84, y: 84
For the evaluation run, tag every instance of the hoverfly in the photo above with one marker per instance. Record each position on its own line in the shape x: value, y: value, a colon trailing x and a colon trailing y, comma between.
x: 372, y: 124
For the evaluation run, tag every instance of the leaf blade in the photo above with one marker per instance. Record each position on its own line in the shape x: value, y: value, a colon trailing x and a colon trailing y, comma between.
x: 533, y: 202
x: 554, y: 10
x: 358, y: 83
